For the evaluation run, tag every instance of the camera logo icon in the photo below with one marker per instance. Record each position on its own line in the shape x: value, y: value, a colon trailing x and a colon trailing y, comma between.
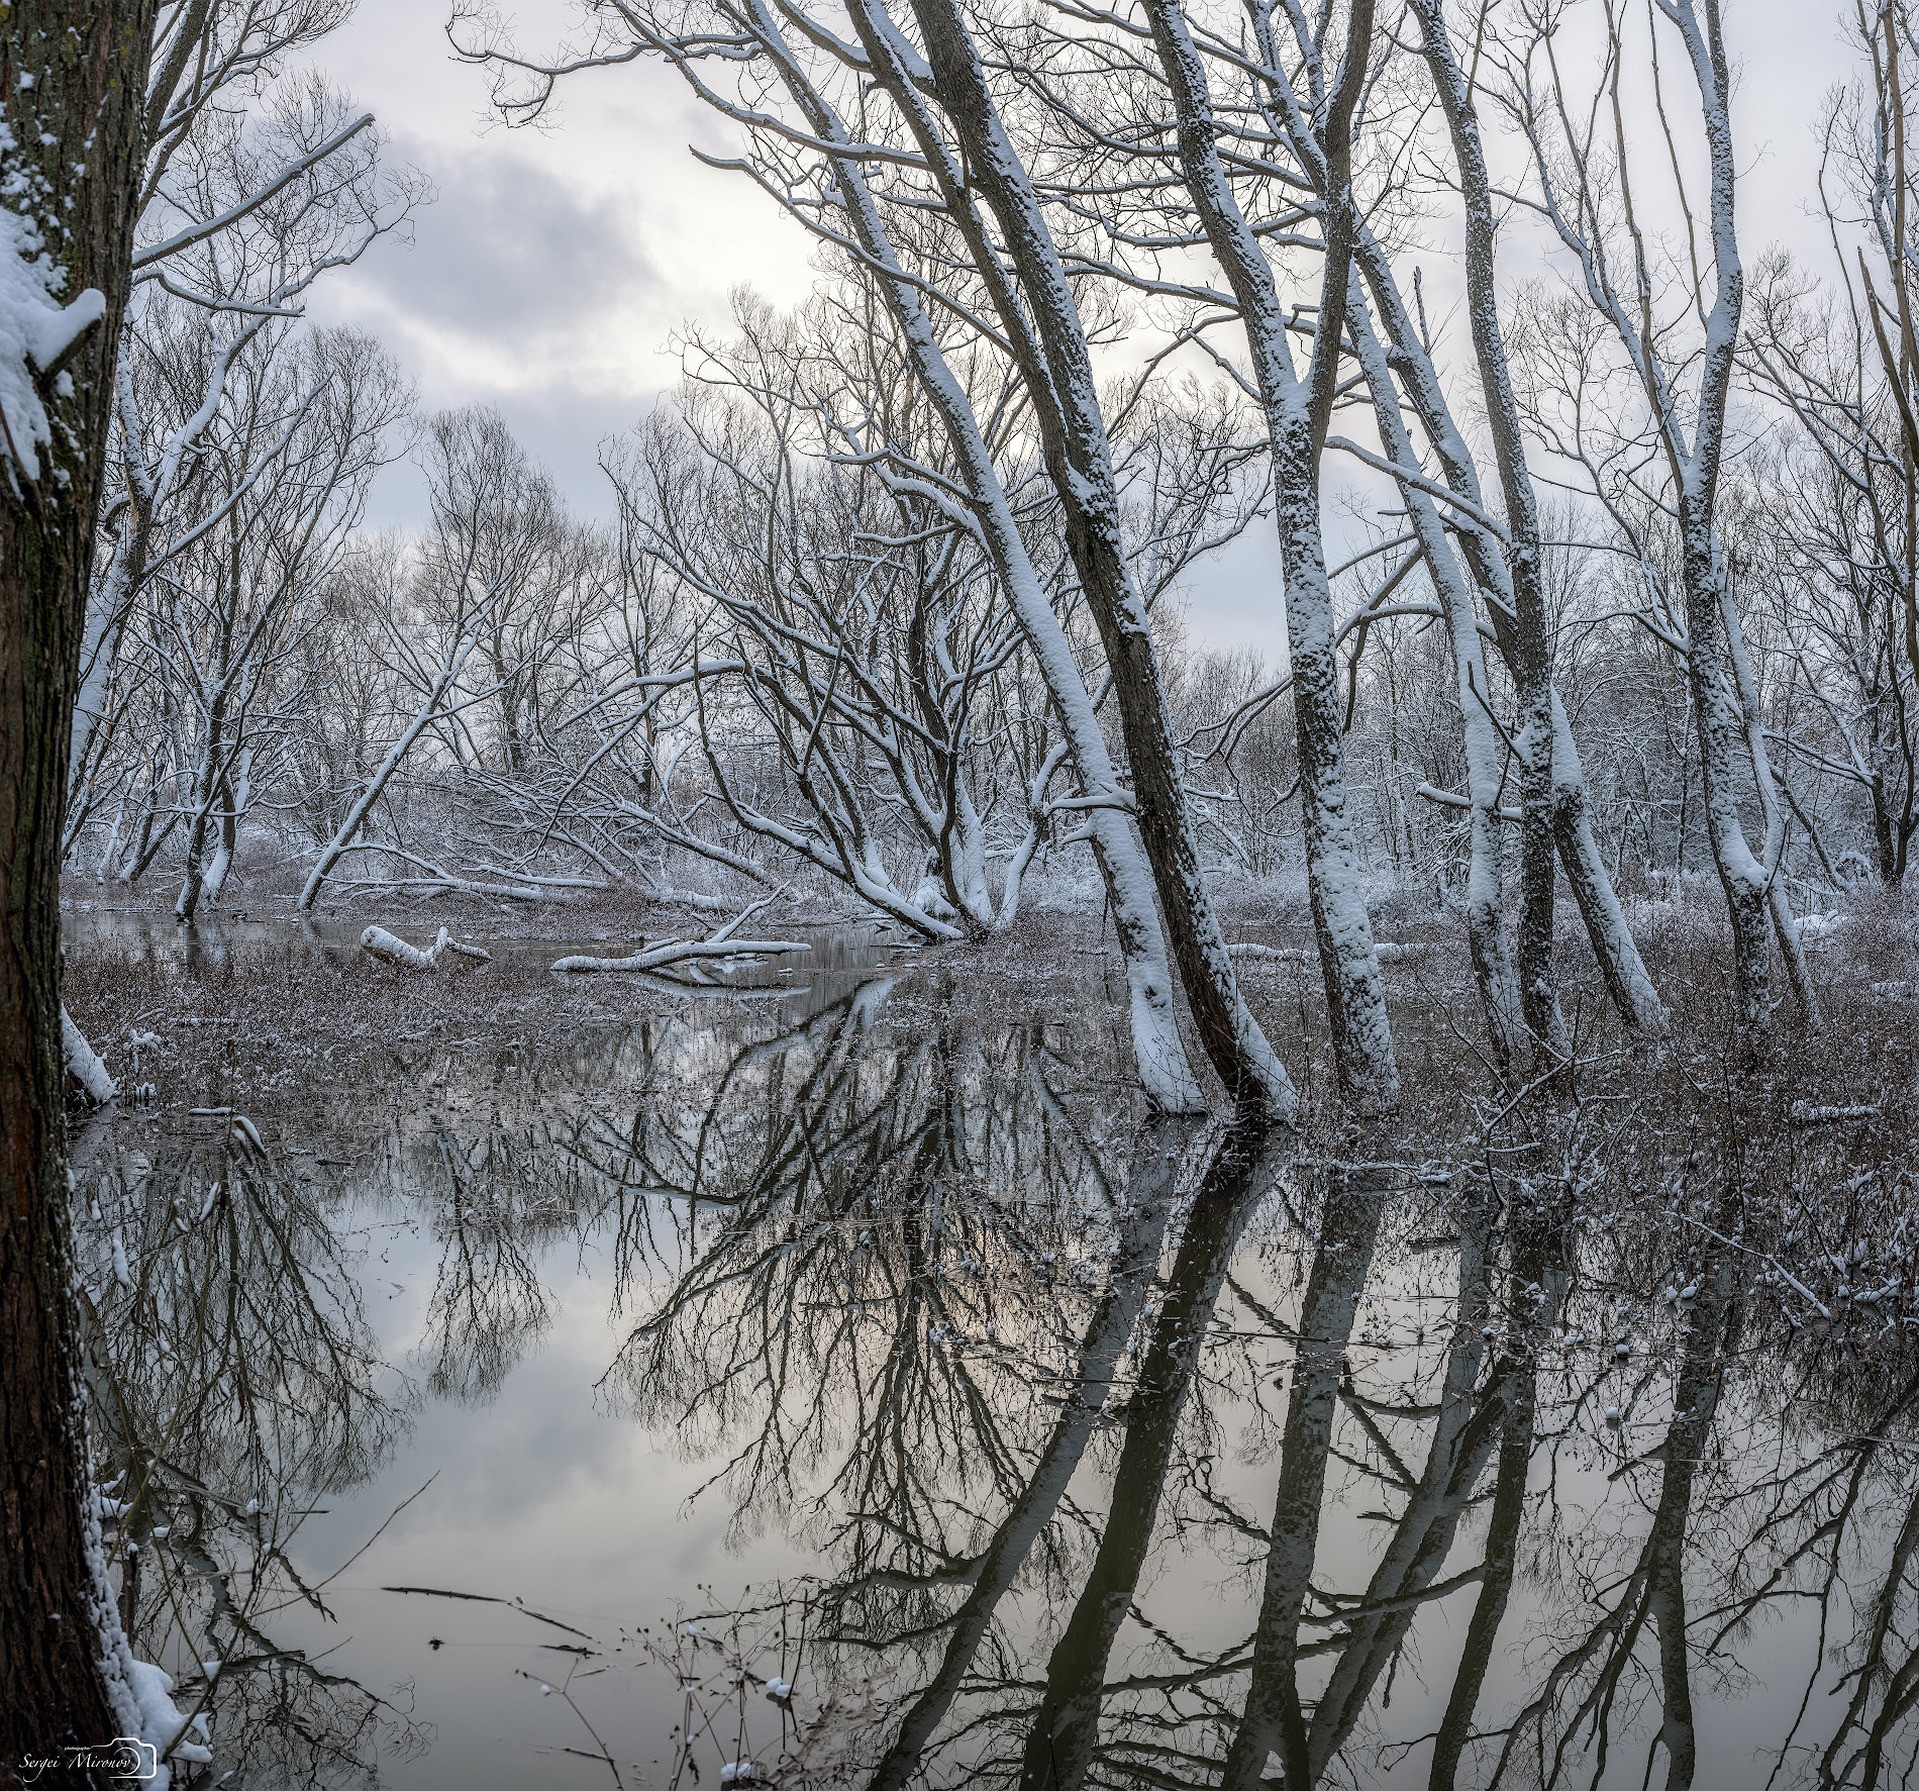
x: 140, y: 1759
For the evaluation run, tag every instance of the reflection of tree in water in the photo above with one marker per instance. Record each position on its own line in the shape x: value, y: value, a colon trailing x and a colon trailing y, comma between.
x: 884, y: 1238
x: 234, y: 1382
x: 1128, y: 1454
x: 488, y: 1302
x: 1564, y: 1544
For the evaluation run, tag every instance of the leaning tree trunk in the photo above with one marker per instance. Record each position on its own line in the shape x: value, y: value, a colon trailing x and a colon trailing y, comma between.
x: 1531, y: 652
x: 1158, y: 1050
x: 1482, y: 748
x: 1349, y: 965
x: 1055, y: 363
x: 73, y: 74
x: 1627, y: 980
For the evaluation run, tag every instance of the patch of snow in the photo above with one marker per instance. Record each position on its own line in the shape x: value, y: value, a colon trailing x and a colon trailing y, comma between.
x: 36, y: 329
x: 173, y: 1735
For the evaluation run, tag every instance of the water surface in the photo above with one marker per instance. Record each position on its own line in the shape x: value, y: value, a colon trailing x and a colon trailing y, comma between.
x: 869, y: 1342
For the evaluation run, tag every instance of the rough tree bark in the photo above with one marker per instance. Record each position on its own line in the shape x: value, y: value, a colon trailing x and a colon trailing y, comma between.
x: 1532, y: 649
x: 1627, y: 979
x: 1483, y: 749
x: 73, y: 77
x: 1158, y: 1050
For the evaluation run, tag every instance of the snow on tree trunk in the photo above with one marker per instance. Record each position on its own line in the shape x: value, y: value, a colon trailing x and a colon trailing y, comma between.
x: 1158, y: 1051
x: 1051, y: 350
x: 237, y: 791
x: 74, y: 140
x: 1628, y: 981
x: 1530, y: 655
x: 1484, y: 752
x: 1630, y: 984
x: 1721, y: 732
x: 1362, y: 1034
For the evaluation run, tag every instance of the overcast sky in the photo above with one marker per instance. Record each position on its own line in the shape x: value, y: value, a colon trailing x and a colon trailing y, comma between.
x: 554, y: 264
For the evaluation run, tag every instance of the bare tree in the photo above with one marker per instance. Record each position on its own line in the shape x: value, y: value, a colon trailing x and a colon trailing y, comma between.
x: 1581, y: 160
x: 824, y: 164
x: 1848, y: 482
x: 495, y: 530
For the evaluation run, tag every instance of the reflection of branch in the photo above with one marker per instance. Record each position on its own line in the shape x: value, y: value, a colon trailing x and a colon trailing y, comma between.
x: 1463, y: 1437
x: 1652, y: 1592
x: 233, y: 1380
x: 1273, y: 1720
x: 512, y: 1604
x: 1499, y: 1563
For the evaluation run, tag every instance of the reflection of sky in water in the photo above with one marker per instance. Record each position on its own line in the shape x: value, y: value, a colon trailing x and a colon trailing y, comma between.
x: 542, y: 1484
x: 542, y: 1494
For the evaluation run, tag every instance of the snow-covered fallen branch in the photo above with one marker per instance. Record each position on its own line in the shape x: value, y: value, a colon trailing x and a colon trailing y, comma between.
x: 84, y: 1067
x: 1804, y: 1113
x: 436, y: 879
x: 721, y: 946
x: 682, y: 951
x: 395, y: 950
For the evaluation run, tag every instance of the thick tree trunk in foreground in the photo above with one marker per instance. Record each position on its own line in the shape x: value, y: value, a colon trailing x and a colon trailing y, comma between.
x: 73, y: 74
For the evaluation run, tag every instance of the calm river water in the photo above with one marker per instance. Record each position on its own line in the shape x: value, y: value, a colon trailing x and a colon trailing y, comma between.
x: 853, y: 1386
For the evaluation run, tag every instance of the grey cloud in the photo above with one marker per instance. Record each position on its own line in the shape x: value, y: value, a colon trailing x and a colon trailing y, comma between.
x: 506, y: 249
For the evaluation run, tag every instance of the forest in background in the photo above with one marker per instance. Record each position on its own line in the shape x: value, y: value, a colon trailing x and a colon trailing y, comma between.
x: 1599, y: 577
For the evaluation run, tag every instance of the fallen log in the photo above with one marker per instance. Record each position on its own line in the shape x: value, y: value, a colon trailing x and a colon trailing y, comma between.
x: 690, y: 952
x: 680, y: 951
x: 84, y: 1068
x: 392, y: 949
